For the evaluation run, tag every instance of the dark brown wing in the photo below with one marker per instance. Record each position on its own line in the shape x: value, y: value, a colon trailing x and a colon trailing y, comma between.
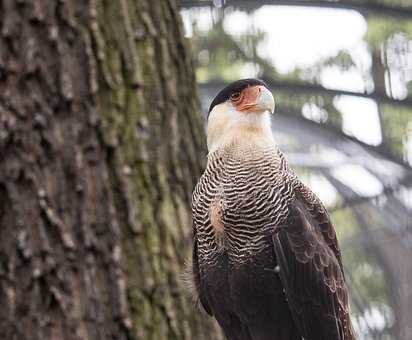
x: 311, y: 273
x: 318, y: 212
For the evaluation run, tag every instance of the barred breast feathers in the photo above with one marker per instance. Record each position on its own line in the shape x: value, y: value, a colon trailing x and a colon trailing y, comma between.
x: 243, y: 194
x: 244, y: 190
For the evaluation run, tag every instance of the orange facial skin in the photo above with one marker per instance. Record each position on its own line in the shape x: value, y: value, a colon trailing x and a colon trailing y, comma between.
x: 246, y: 100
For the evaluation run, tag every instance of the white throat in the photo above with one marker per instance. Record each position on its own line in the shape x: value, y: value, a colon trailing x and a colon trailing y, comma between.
x: 226, y: 126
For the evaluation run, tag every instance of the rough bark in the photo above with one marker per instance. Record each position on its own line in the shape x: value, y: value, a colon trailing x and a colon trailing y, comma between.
x: 100, y: 146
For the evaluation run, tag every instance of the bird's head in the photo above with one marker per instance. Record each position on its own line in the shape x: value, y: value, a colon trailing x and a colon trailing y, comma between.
x: 240, y: 113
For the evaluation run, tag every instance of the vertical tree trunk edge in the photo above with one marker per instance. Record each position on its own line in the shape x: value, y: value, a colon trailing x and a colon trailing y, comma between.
x: 101, y: 144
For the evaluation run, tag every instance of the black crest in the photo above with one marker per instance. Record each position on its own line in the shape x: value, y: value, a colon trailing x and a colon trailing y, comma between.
x: 236, y: 86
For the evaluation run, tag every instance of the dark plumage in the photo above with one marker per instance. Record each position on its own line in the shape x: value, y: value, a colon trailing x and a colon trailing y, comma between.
x: 266, y: 262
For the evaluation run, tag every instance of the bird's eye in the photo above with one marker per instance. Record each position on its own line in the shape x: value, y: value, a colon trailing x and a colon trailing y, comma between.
x: 235, y: 96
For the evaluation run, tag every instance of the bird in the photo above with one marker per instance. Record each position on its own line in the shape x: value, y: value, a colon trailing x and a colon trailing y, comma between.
x: 266, y: 263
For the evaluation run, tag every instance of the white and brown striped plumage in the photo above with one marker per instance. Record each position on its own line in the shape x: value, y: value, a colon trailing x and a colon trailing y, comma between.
x: 266, y: 262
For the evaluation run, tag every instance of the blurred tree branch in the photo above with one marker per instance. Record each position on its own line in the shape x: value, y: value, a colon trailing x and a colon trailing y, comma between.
x: 388, y: 190
x: 402, y: 12
x: 305, y: 88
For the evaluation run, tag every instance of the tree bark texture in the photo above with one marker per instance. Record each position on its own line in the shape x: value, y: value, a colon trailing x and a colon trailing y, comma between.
x: 100, y: 145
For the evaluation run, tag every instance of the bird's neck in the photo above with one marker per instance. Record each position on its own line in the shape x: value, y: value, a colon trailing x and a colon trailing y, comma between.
x: 251, y: 131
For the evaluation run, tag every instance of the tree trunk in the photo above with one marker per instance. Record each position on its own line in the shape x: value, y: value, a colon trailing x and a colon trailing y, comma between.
x: 101, y: 142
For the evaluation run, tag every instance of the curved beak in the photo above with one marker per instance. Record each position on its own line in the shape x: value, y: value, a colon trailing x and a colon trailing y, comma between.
x: 256, y: 99
x: 265, y: 100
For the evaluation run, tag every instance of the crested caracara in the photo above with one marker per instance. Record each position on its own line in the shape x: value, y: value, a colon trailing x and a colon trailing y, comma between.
x: 266, y: 262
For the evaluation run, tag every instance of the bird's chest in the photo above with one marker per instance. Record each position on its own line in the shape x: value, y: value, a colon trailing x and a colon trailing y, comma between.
x: 236, y: 206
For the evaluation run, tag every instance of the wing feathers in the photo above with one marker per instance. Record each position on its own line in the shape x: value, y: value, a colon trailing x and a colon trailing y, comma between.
x: 310, y: 270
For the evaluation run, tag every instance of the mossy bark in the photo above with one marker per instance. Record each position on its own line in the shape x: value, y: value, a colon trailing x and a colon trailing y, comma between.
x: 101, y: 143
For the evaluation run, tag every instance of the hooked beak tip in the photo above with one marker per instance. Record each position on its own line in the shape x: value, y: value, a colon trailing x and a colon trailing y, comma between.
x: 272, y: 109
x: 267, y: 100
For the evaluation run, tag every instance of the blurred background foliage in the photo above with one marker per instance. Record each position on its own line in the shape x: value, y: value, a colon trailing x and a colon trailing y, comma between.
x: 344, y: 120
